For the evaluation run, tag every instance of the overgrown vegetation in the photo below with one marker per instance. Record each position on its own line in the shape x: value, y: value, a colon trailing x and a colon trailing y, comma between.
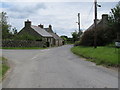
x: 114, y: 20
x: 27, y: 37
x: 106, y: 35
x: 102, y: 55
x: 3, y: 67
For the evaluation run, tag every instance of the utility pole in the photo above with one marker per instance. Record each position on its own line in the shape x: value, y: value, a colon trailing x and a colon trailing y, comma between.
x: 79, y: 24
x: 95, y: 23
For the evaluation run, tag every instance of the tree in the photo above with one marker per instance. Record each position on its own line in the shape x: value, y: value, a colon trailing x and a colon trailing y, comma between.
x: 75, y: 36
x: 65, y: 38
x: 114, y: 20
x: 5, y: 26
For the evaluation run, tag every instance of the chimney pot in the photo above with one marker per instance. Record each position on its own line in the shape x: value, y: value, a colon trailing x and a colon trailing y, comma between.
x: 27, y: 23
x: 105, y: 17
x: 50, y: 27
x: 42, y: 26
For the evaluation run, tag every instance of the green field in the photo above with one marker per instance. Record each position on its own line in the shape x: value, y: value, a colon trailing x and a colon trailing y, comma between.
x: 101, y: 55
x: 3, y: 67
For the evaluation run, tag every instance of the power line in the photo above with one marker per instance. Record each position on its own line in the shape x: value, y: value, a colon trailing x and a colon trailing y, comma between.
x: 87, y: 19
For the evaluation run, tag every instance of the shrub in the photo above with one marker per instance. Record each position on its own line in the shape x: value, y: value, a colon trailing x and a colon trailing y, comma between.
x: 87, y: 38
x: 104, y: 37
x: 27, y: 37
x: 77, y: 43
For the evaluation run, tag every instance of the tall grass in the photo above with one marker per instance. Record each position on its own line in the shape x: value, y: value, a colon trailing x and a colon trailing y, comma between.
x: 3, y: 67
x: 101, y: 55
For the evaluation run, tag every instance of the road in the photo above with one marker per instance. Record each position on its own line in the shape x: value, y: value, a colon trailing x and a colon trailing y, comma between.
x: 55, y: 68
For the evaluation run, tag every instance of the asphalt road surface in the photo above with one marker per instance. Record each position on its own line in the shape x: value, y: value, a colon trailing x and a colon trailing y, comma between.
x: 55, y: 68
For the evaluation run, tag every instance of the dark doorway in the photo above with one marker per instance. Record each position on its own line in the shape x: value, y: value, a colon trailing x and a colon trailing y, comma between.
x: 47, y: 44
x: 63, y: 42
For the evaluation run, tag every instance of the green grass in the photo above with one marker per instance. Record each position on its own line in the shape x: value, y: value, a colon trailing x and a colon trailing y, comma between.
x: 101, y: 55
x: 22, y: 48
x: 3, y: 67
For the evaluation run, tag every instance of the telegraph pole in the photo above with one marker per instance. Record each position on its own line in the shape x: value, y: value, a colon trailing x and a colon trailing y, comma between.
x: 95, y: 23
x: 79, y: 23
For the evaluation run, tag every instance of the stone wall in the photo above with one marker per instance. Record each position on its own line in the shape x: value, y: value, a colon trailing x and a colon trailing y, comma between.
x: 22, y: 43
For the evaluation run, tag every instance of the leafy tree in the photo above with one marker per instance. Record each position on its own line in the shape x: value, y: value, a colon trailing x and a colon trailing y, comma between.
x: 65, y: 38
x: 5, y: 26
x: 114, y: 20
x: 75, y: 36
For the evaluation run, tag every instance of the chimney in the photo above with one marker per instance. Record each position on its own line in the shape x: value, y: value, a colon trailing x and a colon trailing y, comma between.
x: 105, y: 17
x: 50, y: 27
x: 105, y: 20
x: 27, y: 23
x: 42, y: 26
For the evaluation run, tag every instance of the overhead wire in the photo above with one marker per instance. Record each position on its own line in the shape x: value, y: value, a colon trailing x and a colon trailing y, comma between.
x: 88, y: 16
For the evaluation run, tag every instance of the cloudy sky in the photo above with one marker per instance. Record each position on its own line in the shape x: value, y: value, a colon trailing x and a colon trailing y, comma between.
x: 61, y: 15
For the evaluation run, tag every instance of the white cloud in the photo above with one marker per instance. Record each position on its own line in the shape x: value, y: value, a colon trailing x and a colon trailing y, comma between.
x: 23, y: 10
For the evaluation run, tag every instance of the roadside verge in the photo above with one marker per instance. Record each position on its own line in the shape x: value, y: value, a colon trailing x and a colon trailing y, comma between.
x: 106, y: 56
x: 4, y: 67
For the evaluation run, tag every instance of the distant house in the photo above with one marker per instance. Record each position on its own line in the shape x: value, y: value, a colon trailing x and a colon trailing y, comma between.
x: 40, y: 31
x: 56, y: 39
x: 101, y: 23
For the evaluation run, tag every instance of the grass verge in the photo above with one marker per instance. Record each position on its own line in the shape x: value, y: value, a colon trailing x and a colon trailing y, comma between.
x: 3, y: 67
x: 22, y: 48
x: 107, y: 56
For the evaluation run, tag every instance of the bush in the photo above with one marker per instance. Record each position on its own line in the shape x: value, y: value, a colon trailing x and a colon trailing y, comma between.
x: 27, y: 37
x: 77, y: 43
x: 104, y: 37
x: 87, y: 38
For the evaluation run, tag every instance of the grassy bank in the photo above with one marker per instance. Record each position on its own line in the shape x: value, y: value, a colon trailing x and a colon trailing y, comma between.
x: 22, y: 48
x: 102, y: 55
x: 3, y: 67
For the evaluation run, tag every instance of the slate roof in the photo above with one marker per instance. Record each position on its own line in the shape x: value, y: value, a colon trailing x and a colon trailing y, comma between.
x: 55, y: 36
x: 48, y: 30
x: 93, y: 25
x: 41, y: 31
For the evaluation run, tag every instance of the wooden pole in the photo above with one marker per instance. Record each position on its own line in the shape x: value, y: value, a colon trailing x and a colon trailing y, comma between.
x: 79, y: 25
x: 95, y: 23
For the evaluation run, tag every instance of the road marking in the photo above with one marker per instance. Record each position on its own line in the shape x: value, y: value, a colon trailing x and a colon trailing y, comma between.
x: 35, y: 56
x: 39, y: 53
x: 45, y: 50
